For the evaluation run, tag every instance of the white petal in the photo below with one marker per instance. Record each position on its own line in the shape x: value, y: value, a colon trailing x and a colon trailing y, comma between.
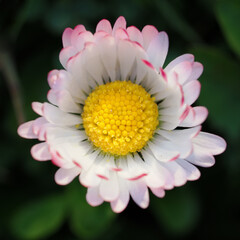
x: 66, y: 102
x: 58, y: 117
x: 93, y: 197
x: 126, y: 56
x: 191, y: 91
x: 40, y: 152
x: 157, y: 49
x: 89, y: 178
x: 179, y: 174
x: 139, y: 193
x: 200, y: 158
x: 108, y: 54
x: 109, y: 189
x: 65, y: 176
x: 192, y: 172
x: 213, y: 144
x: 162, y: 151
x: 121, y: 202
x: 25, y: 130
x: 196, y: 116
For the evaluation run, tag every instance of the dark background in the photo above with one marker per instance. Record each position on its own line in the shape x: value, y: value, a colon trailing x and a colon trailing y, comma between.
x: 32, y: 206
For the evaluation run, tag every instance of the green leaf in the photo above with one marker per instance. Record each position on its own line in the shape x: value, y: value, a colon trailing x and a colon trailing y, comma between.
x: 39, y: 219
x: 178, y: 211
x: 228, y: 15
x: 86, y: 221
x: 220, y: 89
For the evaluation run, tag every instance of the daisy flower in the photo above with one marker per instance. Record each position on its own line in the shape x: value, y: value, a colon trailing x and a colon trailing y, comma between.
x: 118, y: 119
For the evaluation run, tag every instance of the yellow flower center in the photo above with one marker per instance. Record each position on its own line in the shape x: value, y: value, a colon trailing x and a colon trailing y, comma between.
x: 120, y: 117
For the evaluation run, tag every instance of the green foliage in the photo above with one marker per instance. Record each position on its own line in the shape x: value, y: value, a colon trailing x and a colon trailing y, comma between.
x: 178, y: 211
x: 39, y: 218
x: 228, y: 14
x: 86, y: 221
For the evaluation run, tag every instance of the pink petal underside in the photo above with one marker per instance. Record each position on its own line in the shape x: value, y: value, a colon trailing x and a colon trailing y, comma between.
x: 183, y: 58
x: 104, y: 25
x: 66, y: 54
x: 159, y: 192
x: 139, y: 192
x: 191, y: 91
x: 196, y: 116
x: 135, y: 35
x: 76, y: 31
x: 183, y: 71
x: 66, y: 37
x: 65, y: 176
x: 120, y: 23
x: 200, y: 157
x: 149, y: 33
x: 121, y: 34
x: 25, y: 130
x: 191, y: 171
x: 157, y: 49
x: 197, y: 70
x: 93, y: 197
x: 82, y: 39
x: 40, y: 152
x: 37, y: 108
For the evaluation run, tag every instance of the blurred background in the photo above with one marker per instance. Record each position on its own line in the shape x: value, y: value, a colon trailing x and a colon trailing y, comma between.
x: 32, y: 206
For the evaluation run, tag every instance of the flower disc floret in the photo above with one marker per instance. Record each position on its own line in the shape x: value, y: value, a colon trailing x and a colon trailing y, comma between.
x: 120, y: 117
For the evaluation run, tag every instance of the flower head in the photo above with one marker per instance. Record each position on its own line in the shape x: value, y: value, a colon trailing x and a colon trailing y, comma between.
x: 118, y: 119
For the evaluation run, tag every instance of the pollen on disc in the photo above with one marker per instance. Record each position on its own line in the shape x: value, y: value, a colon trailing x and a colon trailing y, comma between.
x: 120, y: 117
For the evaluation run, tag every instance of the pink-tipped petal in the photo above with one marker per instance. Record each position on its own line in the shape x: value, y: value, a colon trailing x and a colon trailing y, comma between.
x: 211, y: 142
x: 183, y: 58
x: 66, y: 54
x: 157, y: 49
x: 93, y: 197
x: 135, y: 35
x: 66, y: 37
x: 104, y: 25
x: 26, y: 131
x: 149, y: 33
x: 197, y: 70
x: 37, y: 108
x: 121, y: 202
x: 120, y: 23
x: 159, y: 192
x: 65, y: 176
x: 191, y: 91
x: 139, y: 193
x: 40, y: 152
